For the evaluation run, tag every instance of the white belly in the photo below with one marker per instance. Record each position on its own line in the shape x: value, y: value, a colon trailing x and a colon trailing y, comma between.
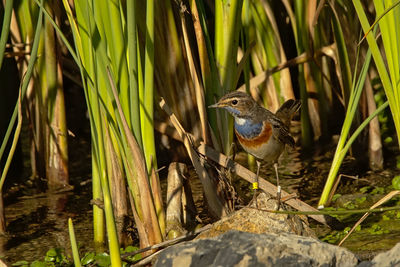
x: 269, y: 151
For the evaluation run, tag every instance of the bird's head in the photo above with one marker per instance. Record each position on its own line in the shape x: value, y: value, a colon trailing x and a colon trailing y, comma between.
x: 239, y: 104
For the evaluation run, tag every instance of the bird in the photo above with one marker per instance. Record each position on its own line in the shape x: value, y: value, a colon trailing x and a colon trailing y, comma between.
x: 260, y: 132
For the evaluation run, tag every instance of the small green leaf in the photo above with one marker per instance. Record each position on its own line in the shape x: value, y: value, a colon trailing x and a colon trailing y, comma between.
x: 130, y: 249
x: 396, y: 182
x: 21, y: 263
x: 346, y: 230
x: 361, y: 200
x: 39, y: 264
x: 88, y: 258
x: 388, y: 140
x: 52, y: 252
x: 349, y: 205
x: 335, y: 197
x: 49, y: 259
x: 365, y: 189
x: 103, y: 260
x: 378, y: 191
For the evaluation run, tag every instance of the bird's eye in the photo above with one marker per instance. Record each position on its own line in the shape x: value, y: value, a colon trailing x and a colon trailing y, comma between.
x: 234, y: 102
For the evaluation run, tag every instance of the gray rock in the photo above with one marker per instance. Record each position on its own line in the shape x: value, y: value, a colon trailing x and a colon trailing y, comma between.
x: 236, y: 248
x: 385, y: 259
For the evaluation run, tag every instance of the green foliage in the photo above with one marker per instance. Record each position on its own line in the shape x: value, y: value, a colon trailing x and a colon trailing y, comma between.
x: 391, y: 215
x: 396, y: 182
x: 20, y: 263
x: 350, y: 205
x: 335, y: 197
x: 372, y: 190
x: 55, y: 257
x: 24, y: 87
x: 361, y: 200
x: 376, y: 229
x: 102, y: 259
x: 130, y: 249
x: 365, y: 189
x: 41, y: 264
x: 339, y: 217
x: 378, y: 191
x: 88, y: 258
x: 385, y: 117
x: 388, y: 19
x: 335, y: 236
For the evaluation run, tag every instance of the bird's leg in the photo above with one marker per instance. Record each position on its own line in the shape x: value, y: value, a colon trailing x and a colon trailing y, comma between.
x: 255, y: 184
x: 278, y: 193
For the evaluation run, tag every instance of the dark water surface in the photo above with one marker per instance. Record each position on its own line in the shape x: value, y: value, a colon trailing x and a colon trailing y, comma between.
x: 39, y: 223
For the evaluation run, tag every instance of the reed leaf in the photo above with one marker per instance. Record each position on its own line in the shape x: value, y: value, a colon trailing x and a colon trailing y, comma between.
x: 342, y: 55
x: 389, y: 26
x: 340, y: 152
x: 119, y: 103
x: 5, y: 29
x: 227, y: 29
x: 85, y: 32
x: 25, y: 81
x: 133, y: 69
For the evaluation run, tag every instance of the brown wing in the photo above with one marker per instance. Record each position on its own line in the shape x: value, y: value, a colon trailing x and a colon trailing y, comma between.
x: 279, y: 130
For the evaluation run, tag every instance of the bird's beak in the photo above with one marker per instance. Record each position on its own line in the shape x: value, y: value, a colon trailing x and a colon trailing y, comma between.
x: 216, y: 105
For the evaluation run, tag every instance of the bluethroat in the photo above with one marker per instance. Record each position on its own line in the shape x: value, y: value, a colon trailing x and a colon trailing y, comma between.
x: 260, y: 132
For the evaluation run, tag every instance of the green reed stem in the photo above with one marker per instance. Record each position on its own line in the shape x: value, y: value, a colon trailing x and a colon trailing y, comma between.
x: 5, y: 29
x: 74, y: 245
x: 340, y: 153
x: 26, y: 79
x: 227, y: 29
x: 389, y: 26
x: 133, y: 69
x: 147, y: 111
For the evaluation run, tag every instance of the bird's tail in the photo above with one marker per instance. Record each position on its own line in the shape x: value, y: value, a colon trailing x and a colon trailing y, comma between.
x: 287, y: 110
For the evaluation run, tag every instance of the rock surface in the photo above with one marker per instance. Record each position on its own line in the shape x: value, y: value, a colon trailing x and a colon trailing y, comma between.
x: 236, y: 248
x: 385, y: 259
x: 253, y: 237
x: 253, y: 220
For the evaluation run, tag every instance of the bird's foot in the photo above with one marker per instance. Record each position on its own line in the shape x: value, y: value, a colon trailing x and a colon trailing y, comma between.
x: 278, y: 198
x: 254, y: 199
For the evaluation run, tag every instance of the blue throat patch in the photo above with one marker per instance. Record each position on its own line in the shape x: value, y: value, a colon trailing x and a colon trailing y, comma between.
x: 249, y: 129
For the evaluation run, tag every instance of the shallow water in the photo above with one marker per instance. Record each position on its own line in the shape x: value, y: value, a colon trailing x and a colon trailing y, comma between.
x: 37, y: 224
